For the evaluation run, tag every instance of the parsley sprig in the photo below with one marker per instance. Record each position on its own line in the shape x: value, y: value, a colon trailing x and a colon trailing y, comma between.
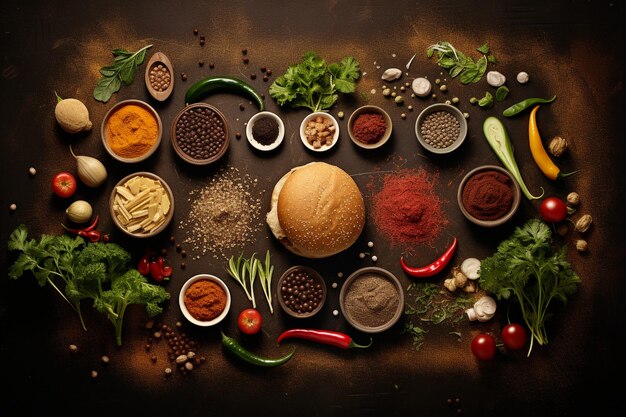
x: 78, y: 271
x: 314, y: 84
x: 121, y: 71
x: 528, y: 269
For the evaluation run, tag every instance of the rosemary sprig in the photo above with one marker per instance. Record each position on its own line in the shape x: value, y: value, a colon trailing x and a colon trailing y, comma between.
x: 265, y: 276
x: 238, y: 270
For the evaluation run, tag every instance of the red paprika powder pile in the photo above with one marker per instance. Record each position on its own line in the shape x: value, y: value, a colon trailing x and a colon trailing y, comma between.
x: 407, y: 210
x: 488, y: 195
x: 369, y: 128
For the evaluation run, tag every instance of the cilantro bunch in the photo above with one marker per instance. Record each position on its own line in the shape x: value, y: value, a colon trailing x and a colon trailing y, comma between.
x: 98, y: 272
x: 527, y: 268
x: 314, y: 84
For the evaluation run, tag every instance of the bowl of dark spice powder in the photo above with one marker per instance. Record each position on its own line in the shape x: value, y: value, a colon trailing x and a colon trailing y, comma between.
x: 265, y: 131
x: 200, y: 134
x: 488, y: 195
x: 371, y: 299
x: 441, y: 128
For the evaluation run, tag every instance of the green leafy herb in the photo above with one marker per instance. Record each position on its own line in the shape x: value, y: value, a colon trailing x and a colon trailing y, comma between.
x: 122, y: 70
x: 314, y: 84
x: 238, y: 269
x: 432, y: 304
x: 529, y: 269
x: 486, y: 101
x: 99, y: 272
x: 265, y: 276
x: 501, y: 93
x: 459, y: 64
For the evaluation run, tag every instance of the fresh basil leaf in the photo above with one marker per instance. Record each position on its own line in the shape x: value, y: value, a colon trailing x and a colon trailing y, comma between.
x: 486, y: 101
x: 108, y: 71
x: 127, y: 72
x: 468, y: 76
x: 483, y: 49
x: 106, y: 87
x: 456, y: 71
x: 491, y: 59
x: 140, y: 57
x: 447, y: 63
x: 121, y: 52
x: 430, y: 52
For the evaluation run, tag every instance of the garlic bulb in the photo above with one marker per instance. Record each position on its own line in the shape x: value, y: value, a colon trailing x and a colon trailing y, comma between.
x: 495, y: 79
x: 90, y: 170
x: 79, y: 211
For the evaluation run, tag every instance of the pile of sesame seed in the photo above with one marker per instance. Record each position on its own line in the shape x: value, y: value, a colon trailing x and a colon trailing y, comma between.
x: 224, y: 215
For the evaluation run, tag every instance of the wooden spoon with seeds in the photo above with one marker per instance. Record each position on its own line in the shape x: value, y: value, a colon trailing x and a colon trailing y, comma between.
x: 159, y: 62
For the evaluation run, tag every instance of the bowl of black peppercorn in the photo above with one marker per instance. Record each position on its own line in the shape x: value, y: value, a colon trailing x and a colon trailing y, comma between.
x: 200, y: 134
x: 265, y: 131
x: 301, y: 291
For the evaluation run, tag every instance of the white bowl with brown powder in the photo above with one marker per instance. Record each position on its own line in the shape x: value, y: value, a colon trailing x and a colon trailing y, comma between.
x: 372, y: 299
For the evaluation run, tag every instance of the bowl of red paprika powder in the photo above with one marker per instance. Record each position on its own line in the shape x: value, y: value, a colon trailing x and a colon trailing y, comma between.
x: 370, y: 127
x: 204, y: 300
x: 488, y: 195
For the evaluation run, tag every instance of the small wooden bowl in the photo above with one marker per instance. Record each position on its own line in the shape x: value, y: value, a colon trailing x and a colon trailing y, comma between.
x: 160, y: 58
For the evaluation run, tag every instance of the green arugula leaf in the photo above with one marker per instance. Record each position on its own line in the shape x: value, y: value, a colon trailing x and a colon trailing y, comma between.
x: 483, y: 49
x: 460, y: 65
x: 121, y: 71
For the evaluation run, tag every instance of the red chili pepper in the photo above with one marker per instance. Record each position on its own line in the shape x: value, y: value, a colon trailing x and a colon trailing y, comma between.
x: 328, y: 337
x: 144, y: 265
x: 92, y: 225
x: 167, y: 271
x: 93, y: 235
x: 435, y: 267
x: 156, y: 271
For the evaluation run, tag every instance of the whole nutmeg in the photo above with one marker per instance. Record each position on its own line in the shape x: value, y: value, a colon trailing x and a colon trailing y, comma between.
x: 581, y: 245
x: 583, y: 224
x: 72, y: 115
x: 573, y: 199
x: 557, y: 146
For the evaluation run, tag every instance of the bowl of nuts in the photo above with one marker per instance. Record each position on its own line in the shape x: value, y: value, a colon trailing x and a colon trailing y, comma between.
x: 141, y: 204
x: 200, y: 134
x: 319, y: 131
x: 301, y: 291
x: 441, y: 128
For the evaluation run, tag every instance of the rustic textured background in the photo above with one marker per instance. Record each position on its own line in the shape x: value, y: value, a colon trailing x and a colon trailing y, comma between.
x: 573, y: 49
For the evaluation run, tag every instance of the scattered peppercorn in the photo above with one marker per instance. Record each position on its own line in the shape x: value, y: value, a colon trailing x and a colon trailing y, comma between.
x: 201, y: 42
x: 265, y: 78
x: 201, y: 63
x: 269, y: 72
x: 183, y: 265
x: 183, y: 253
x: 178, y: 247
x: 202, y: 37
x: 242, y: 107
x: 153, y: 358
x: 244, y: 51
x: 246, y: 60
x: 195, y: 31
x: 263, y: 69
x: 183, y: 76
x: 253, y: 76
x: 211, y: 65
x: 172, y: 239
x: 238, y: 135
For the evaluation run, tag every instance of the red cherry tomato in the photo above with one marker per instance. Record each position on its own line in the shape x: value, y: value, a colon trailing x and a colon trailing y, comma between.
x: 514, y: 336
x: 484, y: 347
x: 249, y: 321
x: 64, y: 184
x: 553, y: 210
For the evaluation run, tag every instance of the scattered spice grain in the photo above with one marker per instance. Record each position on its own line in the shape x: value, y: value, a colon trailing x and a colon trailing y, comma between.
x: 225, y: 214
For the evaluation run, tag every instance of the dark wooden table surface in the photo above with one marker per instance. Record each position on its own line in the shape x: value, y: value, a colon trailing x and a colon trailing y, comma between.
x: 574, y: 49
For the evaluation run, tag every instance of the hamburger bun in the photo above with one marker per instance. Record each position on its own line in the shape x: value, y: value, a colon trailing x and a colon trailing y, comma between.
x: 317, y: 210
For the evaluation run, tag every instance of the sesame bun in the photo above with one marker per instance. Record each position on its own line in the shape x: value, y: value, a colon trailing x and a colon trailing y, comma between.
x: 317, y: 210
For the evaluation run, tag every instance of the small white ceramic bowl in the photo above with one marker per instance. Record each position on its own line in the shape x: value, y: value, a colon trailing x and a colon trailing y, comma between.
x: 183, y: 308
x: 258, y: 145
x: 312, y: 116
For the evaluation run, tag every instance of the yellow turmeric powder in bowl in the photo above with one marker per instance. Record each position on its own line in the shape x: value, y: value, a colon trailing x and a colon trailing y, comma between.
x: 131, y: 131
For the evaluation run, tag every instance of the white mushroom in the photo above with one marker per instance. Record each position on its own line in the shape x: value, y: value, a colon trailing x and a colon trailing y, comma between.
x: 471, y: 268
x: 421, y: 87
x: 522, y: 77
x: 484, y: 309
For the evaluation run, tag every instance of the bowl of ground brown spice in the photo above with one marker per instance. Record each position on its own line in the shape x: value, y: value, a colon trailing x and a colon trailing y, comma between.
x: 372, y: 299
x: 370, y: 127
x: 131, y: 131
x: 204, y: 300
x: 488, y: 195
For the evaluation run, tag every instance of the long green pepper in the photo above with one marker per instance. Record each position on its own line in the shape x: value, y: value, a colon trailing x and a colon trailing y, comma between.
x: 232, y: 346
x: 525, y: 104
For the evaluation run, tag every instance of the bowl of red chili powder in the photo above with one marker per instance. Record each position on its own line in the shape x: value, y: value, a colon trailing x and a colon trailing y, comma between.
x: 488, y: 195
x: 370, y: 127
x: 204, y: 300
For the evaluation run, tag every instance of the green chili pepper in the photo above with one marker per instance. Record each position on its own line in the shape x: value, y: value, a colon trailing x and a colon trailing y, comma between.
x: 525, y: 104
x: 231, y: 345
x: 202, y: 88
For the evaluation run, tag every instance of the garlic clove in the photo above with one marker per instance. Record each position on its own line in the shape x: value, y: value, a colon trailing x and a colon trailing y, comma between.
x: 90, y: 170
x: 391, y: 74
x: 421, y: 87
x: 495, y: 79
